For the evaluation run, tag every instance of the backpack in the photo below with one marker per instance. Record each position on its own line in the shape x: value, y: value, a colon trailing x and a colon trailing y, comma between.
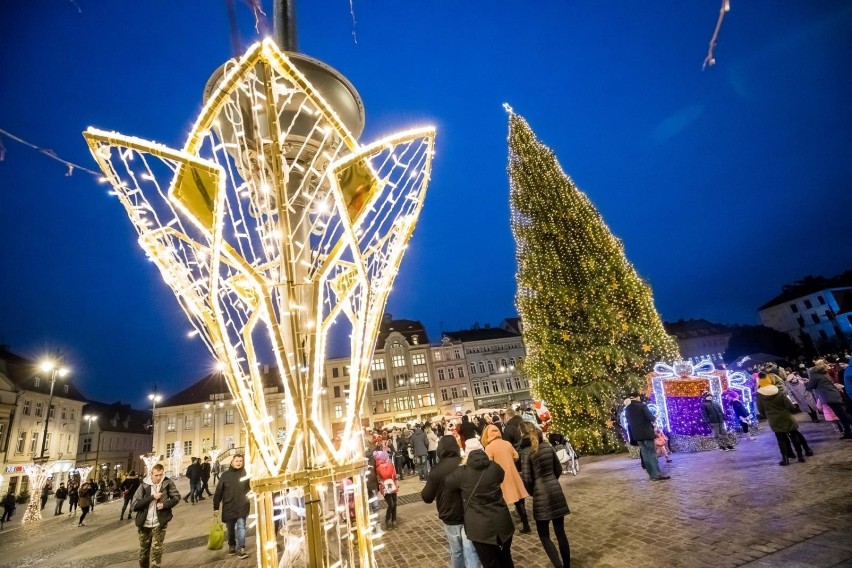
x: 389, y: 486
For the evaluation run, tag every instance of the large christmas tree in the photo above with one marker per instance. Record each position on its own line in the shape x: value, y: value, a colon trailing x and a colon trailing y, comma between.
x: 589, y: 322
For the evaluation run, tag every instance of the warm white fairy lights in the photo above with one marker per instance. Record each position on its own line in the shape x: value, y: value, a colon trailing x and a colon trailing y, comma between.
x: 271, y: 224
x: 150, y: 460
x: 38, y: 475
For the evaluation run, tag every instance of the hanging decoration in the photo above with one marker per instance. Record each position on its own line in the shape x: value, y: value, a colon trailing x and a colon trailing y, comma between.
x: 47, y: 152
x: 271, y: 225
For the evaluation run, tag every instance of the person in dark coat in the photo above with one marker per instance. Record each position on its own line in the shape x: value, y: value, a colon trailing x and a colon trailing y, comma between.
x: 778, y: 409
x: 487, y: 521
x: 512, y: 429
x: 420, y: 443
x: 153, y: 503
x: 714, y: 415
x: 232, y: 494
x: 467, y: 429
x: 372, y: 482
x: 399, y: 450
x: 540, y: 470
x: 61, y: 496
x: 205, y: 478
x: 8, y: 507
x: 449, y: 504
x: 823, y: 388
x: 640, y: 430
x: 193, y: 473
x: 128, y: 490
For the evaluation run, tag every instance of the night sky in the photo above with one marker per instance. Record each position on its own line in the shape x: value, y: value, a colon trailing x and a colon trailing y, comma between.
x: 723, y: 184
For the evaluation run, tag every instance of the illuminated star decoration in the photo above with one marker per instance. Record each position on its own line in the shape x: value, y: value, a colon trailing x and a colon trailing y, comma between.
x: 272, y: 224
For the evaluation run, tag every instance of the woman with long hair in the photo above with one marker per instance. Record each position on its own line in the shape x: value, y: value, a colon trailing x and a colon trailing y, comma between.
x: 540, y: 470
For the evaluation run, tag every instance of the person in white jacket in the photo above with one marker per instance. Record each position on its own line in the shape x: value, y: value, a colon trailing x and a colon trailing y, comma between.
x: 432, y: 439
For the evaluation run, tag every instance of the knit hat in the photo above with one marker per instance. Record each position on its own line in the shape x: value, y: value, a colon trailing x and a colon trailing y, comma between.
x: 763, y: 382
x: 489, y: 434
x: 472, y: 444
x: 380, y: 455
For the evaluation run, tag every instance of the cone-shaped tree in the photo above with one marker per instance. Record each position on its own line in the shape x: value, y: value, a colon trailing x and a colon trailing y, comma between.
x: 589, y: 322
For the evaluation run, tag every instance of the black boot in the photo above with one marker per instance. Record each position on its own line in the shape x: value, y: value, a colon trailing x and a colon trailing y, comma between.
x: 522, y: 513
x: 785, y: 461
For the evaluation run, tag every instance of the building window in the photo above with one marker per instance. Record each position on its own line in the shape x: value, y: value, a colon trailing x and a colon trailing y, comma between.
x: 503, y: 364
x: 68, y: 445
x: 73, y: 414
x: 380, y: 384
x: 335, y: 372
x: 229, y: 442
x: 801, y: 321
x: 33, y: 442
x: 464, y: 391
x: 22, y: 439
x: 794, y: 308
x: 346, y: 371
x: 517, y: 383
x: 436, y: 355
x: 454, y: 392
x: 823, y: 335
x: 476, y: 390
x: 64, y: 413
x: 27, y: 407
x: 444, y: 395
x: 481, y: 366
x: 170, y: 449
x: 821, y: 300
x: 187, y: 447
x: 229, y: 416
x: 457, y: 353
x: 451, y: 373
x: 440, y: 374
x: 486, y: 388
x: 47, y: 440
x: 379, y: 364
x: 418, y: 359
x: 427, y: 399
x: 808, y: 304
x: 52, y: 411
x: 421, y: 378
x: 38, y: 408
x: 509, y: 384
x: 472, y: 369
x: 495, y: 385
x: 337, y: 392
x: 187, y: 423
x: 814, y: 317
x: 207, y: 419
x: 490, y: 366
x: 346, y: 392
x: 512, y: 362
x: 171, y: 424
x: 461, y: 372
x: 398, y: 360
x: 87, y: 444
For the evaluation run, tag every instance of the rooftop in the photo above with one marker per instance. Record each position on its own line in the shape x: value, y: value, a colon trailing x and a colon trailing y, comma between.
x: 807, y: 286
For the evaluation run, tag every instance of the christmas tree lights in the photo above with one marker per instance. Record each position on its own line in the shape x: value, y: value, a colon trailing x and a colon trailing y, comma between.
x: 272, y: 224
x: 589, y: 322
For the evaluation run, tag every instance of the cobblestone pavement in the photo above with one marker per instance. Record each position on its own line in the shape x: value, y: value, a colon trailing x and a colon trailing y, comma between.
x: 720, y: 509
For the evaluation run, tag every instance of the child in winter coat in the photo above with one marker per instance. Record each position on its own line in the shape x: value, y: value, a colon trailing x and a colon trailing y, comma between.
x: 388, y: 486
x: 742, y: 413
x: 661, y: 444
x: 828, y: 414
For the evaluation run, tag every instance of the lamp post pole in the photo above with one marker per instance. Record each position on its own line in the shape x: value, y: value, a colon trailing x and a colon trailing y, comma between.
x: 89, y: 418
x: 154, y: 398
x: 55, y: 370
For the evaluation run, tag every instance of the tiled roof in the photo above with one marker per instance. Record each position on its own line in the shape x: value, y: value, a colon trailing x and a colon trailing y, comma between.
x: 481, y: 334
x: 214, y: 384
x: 685, y: 329
x: 408, y: 329
x: 23, y: 372
x: 807, y: 286
x: 118, y: 417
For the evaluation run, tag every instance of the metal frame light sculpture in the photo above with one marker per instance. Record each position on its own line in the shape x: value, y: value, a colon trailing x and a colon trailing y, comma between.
x: 150, y: 460
x: 270, y: 225
x: 38, y: 474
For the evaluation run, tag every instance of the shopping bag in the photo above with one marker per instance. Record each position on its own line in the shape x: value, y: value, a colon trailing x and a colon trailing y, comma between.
x: 217, y: 534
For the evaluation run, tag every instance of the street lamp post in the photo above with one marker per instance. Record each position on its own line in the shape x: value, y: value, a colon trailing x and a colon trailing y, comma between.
x: 215, y: 412
x: 89, y: 418
x: 54, y: 370
x: 154, y: 398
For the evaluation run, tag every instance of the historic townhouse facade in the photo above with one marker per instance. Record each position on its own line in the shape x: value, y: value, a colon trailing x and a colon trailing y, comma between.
x: 113, y: 438
x: 452, y: 378
x: 25, y: 406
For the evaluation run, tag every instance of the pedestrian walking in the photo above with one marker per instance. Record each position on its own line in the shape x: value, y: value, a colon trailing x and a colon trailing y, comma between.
x: 420, y: 444
x: 193, y: 474
x: 232, y: 493
x: 541, y: 469
x: 433, y: 439
x: 8, y: 507
x: 777, y: 408
x: 506, y: 456
x: 61, y: 495
x: 128, y: 490
x: 714, y: 416
x: 205, y: 478
x: 803, y: 397
x: 388, y: 486
x: 399, y: 450
x: 823, y: 388
x: 449, y: 504
x: 640, y: 430
x: 86, y: 496
x: 512, y: 429
x: 45, y: 493
x: 487, y: 521
x: 73, y: 498
x: 153, y: 503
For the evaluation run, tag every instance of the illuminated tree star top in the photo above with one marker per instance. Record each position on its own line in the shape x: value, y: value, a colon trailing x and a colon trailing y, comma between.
x: 270, y: 224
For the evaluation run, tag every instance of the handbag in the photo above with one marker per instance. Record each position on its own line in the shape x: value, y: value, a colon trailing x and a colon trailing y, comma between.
x: 216, y: 539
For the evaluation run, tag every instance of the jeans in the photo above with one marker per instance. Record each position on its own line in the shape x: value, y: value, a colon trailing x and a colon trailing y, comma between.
x: 421, y: 467
x: 237, y: 532
x: 649, y: 458
x: 462, y: 552
x: 59, y: 503
x: 720, y: 432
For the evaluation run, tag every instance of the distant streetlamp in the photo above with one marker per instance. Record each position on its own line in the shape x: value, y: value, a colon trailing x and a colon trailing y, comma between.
x: 89, y: 418
x: 215, y: 408
x: 55, y: 370
x: 154, y: 398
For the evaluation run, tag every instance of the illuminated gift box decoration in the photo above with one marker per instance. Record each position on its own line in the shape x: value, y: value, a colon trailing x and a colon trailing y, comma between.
x: 676, y: 393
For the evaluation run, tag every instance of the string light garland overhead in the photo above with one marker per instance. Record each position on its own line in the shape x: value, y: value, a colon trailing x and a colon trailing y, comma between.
x: 272, y: 224
x: 45, y: 151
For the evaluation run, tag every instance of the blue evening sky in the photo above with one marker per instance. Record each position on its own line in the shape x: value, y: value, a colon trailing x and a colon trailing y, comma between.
x: 723, y: 184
